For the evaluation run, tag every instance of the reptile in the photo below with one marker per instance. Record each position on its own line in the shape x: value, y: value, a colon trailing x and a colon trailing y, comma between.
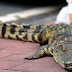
x: 55, y: 40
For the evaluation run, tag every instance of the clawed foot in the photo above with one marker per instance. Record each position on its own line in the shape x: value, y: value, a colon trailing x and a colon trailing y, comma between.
x: 39, y: 53
x: 30, y: 58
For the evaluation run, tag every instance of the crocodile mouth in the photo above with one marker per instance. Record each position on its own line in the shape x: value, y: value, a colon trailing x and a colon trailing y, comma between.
x: 68, y: 65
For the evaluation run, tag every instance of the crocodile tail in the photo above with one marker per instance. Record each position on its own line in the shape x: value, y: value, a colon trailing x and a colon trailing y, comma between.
x: 23, y: 32
x: 14, y: 30
x: 9, y: 30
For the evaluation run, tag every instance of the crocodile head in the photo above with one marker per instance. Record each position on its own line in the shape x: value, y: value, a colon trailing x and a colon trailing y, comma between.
x: 62, y: 53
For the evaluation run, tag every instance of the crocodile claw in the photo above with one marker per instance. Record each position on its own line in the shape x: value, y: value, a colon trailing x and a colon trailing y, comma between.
x: 29, y: 58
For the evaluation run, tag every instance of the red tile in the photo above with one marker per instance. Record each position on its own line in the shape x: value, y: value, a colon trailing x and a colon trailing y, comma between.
x: 3, y: 55
x: 50, y: 66
x: 9, y: 71
x: 12, y: 46
x: 8, y: 64
x: 15, y: 58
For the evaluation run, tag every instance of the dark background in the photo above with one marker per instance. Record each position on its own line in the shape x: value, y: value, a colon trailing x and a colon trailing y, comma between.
x: 35, y: 2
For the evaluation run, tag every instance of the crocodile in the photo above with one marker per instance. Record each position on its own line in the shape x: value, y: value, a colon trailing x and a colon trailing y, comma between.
x: 54, y: 39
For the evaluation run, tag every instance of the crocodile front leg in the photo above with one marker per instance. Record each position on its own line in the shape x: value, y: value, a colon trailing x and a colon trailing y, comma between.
x: 42, y: 50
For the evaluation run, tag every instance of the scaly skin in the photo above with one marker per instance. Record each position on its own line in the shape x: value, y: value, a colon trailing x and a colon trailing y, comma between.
x: 56, y: 40
x: 23, y: 32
